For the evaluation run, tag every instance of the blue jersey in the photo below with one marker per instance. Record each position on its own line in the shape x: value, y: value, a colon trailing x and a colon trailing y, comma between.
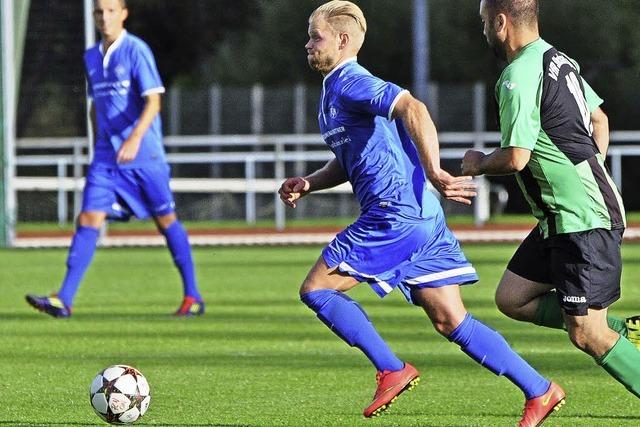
x: 377, y: 154
x: 401, y: 238
x: 118, y: 80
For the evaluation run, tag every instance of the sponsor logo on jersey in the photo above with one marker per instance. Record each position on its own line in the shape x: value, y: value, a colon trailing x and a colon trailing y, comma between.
x: 120, y: 70
x: 570, y: 298
x: 339, y: 142
x: 332, y: 132
x: 509, y: 84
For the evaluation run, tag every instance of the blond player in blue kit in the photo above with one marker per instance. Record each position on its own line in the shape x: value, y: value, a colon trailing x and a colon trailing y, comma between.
x: 386, y: 146
x: 129, y: 174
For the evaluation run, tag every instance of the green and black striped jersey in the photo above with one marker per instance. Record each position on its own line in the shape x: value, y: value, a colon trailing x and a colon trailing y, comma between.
x: 545, y: 106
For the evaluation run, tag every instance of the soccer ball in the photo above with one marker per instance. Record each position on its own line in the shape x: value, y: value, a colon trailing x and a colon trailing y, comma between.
x: 120, y: 394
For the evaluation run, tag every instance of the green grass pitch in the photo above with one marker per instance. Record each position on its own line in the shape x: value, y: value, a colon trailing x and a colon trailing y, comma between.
x: 259, y: 357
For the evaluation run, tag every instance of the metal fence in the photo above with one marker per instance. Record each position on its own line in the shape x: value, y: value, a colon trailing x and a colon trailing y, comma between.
x: 235, y: 175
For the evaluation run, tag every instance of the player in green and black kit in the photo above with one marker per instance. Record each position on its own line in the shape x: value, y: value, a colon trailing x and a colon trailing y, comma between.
x: 554, y: 139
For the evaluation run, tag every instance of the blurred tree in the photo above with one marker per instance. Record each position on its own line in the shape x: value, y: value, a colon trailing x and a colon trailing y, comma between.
x: 240, y: 42
x: 182, y: 32
x: 272, y: 51
x: 602, y: 36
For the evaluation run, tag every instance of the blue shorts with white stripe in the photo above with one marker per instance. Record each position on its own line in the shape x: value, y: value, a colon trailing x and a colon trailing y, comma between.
x: 388, y: 253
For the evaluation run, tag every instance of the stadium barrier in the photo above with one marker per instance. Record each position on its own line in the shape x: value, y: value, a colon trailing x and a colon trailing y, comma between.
x: 276, y: 151
x: 251, y: 151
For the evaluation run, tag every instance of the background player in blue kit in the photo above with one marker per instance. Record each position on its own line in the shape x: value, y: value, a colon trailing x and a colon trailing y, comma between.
x: 384, y: 141
x: 129, y: 174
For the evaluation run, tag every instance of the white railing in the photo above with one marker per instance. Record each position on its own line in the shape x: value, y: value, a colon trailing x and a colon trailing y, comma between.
x: 277, y: 150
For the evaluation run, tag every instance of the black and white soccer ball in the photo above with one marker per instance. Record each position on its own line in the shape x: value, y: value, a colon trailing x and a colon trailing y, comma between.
x: 120, y: 394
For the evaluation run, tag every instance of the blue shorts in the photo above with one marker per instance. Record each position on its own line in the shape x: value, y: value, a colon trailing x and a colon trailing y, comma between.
x: 142, y: 192
x: 388, y: 253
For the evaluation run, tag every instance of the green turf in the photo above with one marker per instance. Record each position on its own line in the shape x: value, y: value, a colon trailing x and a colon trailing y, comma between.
x: 259, y: 357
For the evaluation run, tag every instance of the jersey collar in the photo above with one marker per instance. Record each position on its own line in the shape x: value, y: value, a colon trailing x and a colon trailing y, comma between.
x: 526, y: 47
x: 324, y: 81
x: 340, y: 65
x: 106, y: 56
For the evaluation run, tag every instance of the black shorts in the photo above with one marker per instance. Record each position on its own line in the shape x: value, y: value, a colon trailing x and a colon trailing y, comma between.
x: 585, y: 267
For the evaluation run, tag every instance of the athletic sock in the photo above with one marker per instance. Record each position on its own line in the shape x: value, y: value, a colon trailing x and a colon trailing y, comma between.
x: 83, y: 246
x: 619, y: 325
x: 346, y: 319
x: 489, y: 349
x: 622, y: 362
x: 178, y: 243
x: 549, y: 314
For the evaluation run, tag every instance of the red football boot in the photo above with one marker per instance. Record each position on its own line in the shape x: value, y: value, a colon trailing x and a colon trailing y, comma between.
x: 390, y: 385
x: 190, y: 307
x: 536, y: 410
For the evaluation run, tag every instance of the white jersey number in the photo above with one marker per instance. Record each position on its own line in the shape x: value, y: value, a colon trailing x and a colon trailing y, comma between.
x: 574, y: 88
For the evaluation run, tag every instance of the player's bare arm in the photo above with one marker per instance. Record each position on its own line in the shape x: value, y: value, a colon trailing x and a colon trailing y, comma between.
x: 330, y: 175
x: 130, y: 147
x: 417, y: 121
x: 502, y: 161
x: 600, y: 130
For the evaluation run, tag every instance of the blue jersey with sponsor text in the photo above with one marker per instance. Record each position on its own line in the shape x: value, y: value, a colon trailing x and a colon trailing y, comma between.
x: 377, y: 154
x: 118, y: 80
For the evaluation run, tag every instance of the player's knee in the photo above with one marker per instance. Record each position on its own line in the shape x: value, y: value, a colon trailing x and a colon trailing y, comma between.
x: 443, y: 328
x: 310, y: 285
x: 445, y: 325
x: 503, y: 302
x: 580, y: 338
x: 594, y: 340
x: 90, y: 219
x: 165, y: 221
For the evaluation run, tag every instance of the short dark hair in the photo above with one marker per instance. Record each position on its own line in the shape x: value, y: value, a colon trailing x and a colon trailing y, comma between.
x: 123, y: 3
x: 522, y: 12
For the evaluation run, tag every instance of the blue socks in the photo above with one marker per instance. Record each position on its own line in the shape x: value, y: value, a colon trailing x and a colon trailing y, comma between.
x: 83, y: 246
x: 346, y: 319
x: 180, y: 249
x: 489, y: 349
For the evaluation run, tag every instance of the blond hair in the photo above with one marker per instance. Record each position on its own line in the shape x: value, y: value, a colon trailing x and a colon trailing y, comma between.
x: 344, y: 17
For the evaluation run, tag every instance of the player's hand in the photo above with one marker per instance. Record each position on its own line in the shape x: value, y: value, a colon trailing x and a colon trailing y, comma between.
x: 458, y: 189
x: 293, y: 189
x: 128, y: 150
x: 471, y: 162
